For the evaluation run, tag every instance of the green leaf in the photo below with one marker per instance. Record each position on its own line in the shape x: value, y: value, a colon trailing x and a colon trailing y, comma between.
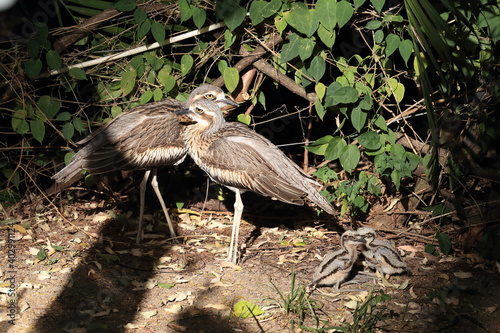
x: 115, y: 111
x: 199, y: 17
x: 358, y: 118
x: 291, y: 49
x: 166, y: 285
x: 327, y: 37
x: 306, y: 47
x: 140, y: 15
x: 246, y: 309
x: 77, y: 73
x: 320, y: 90
x: 358, y: 3
x: 336, y: 145
x: 320, y: 109
x: 245, y: 119
x: 319, y: 146
x: 301, y: 18
x: 378, y: 37
x: 125, y: 5
x: 396, y: 178
x: 33, y: 48
x: 406, y: 49
x: 380, y: 122
x: 444, y: 242
x: 229, y: 38
x: 37, y: 129
x: 157, y: 94
x: 33, y: 67
x: 344, y: 13
x: 187, y: 63
x: 397, y: 88
x: 127, y: 82
x: 232, y: 13
x: 326, y: 11
x: 68, y: 130
x: 48, y: 106
x: 63, y: 116
x: 378, y: 4
x: 18, y: 120
x: 392, y: 42
x: 260, y: 10
x: 317, y: 68
x: 186, y: 9
x: 231, y: 78
x: 78, y: 124
x: 146, y: 97
x: 280, y: 24
x: 53, y: 59
x: 370, y: 140
x: 346, y: 95
x: 349, y: 157
x: 431, y: 249
x: 144, y: 28
x: 158, y: 31
x: 41, y: 255
x: 373, y: 25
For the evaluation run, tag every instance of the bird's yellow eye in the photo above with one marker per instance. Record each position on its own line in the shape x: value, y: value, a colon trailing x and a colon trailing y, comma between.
x: 198, y: 110
x: 210, y: 96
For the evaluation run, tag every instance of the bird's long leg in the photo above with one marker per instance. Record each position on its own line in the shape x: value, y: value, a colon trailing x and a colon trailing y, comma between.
x: 238, y: 210
x: 142, y: 198
x: 154, y: 183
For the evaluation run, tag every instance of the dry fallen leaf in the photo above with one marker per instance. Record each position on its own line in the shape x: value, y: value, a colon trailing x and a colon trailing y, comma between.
x: 463, y: 275
x: 414, y: 308
x: 175, y: 308
x: 216, y: 306
x: 148, y: 314
x: 491, y: 309
x: 227, y: 264
x: 412, y: 293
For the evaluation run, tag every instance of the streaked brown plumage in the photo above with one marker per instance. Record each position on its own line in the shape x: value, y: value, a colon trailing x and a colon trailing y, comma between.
x: 143, y: 138
x: 380, y: 255
x: 241, y: 159
x: 336, y: 266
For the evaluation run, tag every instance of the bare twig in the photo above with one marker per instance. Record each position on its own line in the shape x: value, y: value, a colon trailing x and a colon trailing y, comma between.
x: 247, y: 60
x: 284, y: 80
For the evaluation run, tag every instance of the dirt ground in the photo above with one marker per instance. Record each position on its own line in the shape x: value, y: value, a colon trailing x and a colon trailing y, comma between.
x: 75, y: 267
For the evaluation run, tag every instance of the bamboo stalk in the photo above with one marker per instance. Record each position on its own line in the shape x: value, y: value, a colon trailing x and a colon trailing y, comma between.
x: 140, y: 49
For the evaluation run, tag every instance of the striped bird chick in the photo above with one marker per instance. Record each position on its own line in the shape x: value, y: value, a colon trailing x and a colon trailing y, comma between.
x: 337, y: 265
x: 380, y: 255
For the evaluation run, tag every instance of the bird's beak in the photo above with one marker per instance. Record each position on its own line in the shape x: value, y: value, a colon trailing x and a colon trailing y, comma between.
x: 361, y: 240
x: 182, y: 112
x: 229, y: 102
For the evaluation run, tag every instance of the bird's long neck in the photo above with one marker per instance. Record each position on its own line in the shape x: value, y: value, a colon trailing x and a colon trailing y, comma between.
x: 199, y: 136
x: 351, y: 250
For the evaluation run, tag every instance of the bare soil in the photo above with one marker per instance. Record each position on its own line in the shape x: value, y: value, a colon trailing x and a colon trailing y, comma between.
x: 96, y: 279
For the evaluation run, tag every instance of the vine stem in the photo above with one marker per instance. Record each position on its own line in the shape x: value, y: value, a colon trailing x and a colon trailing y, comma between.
x: 140, y: 49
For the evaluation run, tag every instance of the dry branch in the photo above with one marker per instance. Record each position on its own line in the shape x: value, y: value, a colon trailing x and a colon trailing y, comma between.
x: 140, y: 49
x: 248, y: 59
x: 86, y: 27
x: 284, y: 80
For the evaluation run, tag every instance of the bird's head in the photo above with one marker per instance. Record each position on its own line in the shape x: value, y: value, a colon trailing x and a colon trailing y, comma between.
x: 211, y: 93
x: 367, y: 233
x: 351, y: 237
x: 203, y: 112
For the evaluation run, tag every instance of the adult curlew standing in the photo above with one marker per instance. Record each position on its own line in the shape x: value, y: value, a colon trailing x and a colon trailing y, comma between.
x: 241, y: 159
x: 144, y: 138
